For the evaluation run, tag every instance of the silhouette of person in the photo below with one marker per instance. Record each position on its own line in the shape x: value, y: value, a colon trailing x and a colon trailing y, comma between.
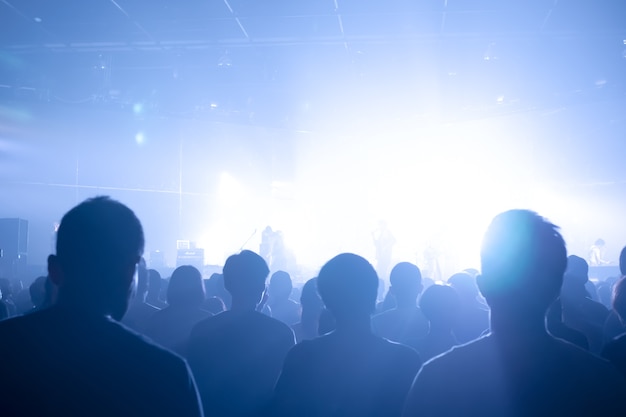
x: 312, y: 306
x: 615, y: 350
x: 38, y: 293
x: 596, y: 253
x: 440, y: 304
x: 580, y: 312
x: 281, y: 306
x: 614, y: 326
x: 405, y: 321
x: 139, y: 311
x: 236, y: 356
x: 350, y: 371
x: 74, y: 359
x: 172, y: 326
x: 473, y: 319
x: 155, y: 285
x: 518, y: 369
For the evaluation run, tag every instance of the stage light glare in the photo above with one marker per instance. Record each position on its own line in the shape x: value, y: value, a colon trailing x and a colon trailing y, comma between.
x: 140, y: 138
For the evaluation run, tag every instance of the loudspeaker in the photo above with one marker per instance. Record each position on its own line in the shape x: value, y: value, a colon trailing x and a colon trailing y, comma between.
x: 193, y: 257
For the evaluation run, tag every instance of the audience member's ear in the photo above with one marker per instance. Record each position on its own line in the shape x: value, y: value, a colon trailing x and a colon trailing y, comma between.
x: 55, y: 271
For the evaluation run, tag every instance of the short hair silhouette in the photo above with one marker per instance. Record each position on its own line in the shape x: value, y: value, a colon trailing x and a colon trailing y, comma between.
x: 406, y: 282
x: 348, y: 285
x: 577, y: 270
x: 98, y: 242
x: 98, y: 236
x: 523, y: 260
x: 622, y: 261
x: 186, y: 287
x: 440, y: 303
x: 245, y: 274
x: 280, y: 285
x: 465, y: 285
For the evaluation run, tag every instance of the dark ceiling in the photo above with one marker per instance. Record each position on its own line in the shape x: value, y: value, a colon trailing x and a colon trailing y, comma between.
x: 249, y: 56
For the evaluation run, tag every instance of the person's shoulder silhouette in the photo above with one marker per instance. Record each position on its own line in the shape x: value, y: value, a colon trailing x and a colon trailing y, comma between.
x: 74, y: 359
x: 518, y: 369
x: 615, y: 350
x: 236, y: 356
x: 350, y: 371
x: 172, y: 326
x: 405, y: 321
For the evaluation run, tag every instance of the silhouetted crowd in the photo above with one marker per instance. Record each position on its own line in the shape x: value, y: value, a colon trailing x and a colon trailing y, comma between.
x: 102, y: 335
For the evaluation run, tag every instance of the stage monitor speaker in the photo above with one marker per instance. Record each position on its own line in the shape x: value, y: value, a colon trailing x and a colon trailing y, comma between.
x: 193, y: 257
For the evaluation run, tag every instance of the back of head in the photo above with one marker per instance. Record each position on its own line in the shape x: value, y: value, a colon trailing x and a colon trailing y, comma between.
x: 310, y: 298
x: 406, y: 282
x: 186, y: 288
x: 99, y: 243
x: 154, y: 283
x: 280, y: 286
x: 622, y: 261
x: 440, y: 304
x: 348, y: 285
x: 577, y: 271
x: 245, y: 274
x: 37, y: 291
x: 523, y: 260
x: 465, y: 285
x: 619, y: 299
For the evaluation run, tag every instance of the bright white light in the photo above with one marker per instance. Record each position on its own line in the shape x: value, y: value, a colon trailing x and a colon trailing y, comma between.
x: 230, y: 190
x: 138, y: 108
x: 140, y: 138
x: 439, y: 184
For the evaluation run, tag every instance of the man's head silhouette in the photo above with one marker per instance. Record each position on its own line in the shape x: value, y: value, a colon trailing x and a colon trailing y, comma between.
x: 523, y: 260
x: 99, y: 243
x: 280, y: 286
x: 244, y: 278
x: 406, y: 284
x: 348, y: 285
